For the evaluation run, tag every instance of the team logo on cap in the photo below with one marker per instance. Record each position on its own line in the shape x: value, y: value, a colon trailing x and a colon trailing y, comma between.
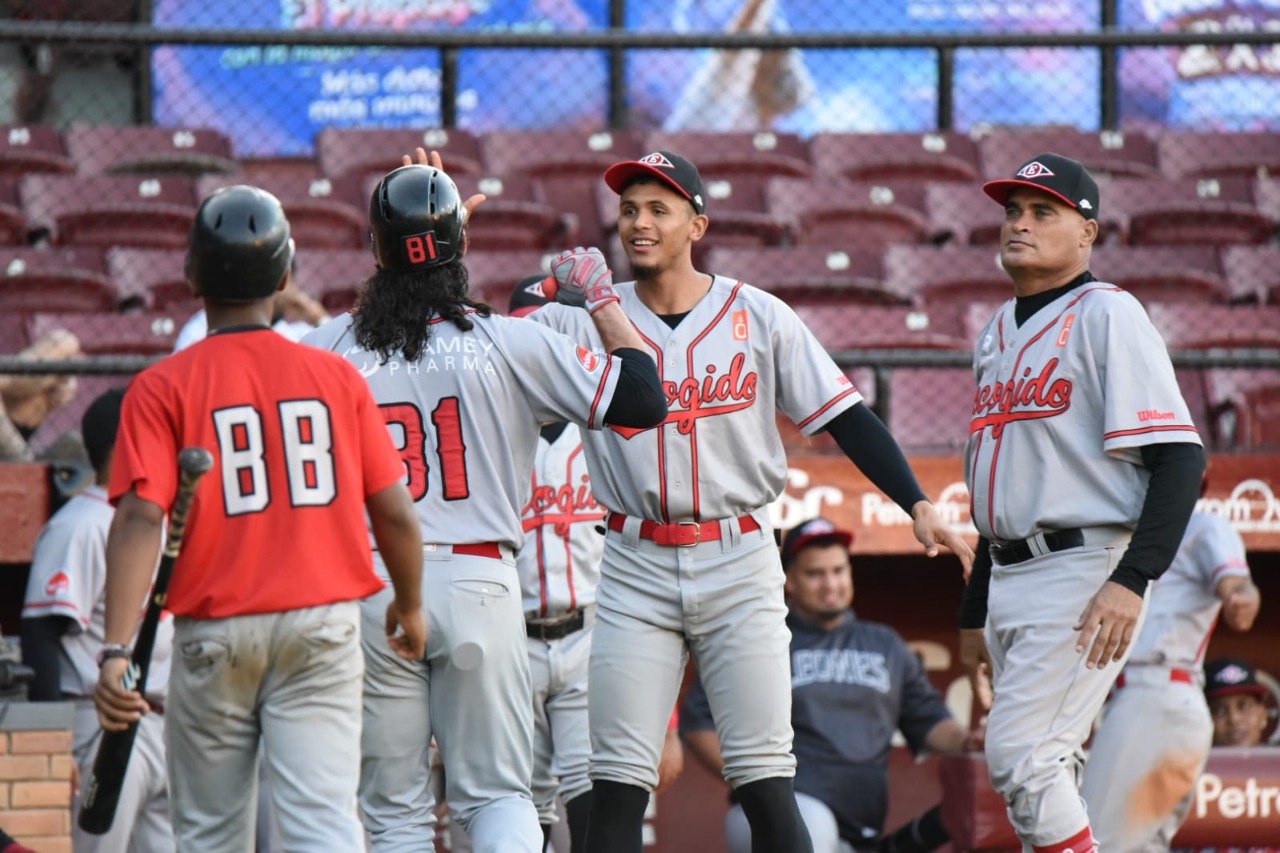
x: 656, y: 159
x: 535, y: 289
x: 1084, y: 203
x: 1232, y: 674
x: 1035, y: 169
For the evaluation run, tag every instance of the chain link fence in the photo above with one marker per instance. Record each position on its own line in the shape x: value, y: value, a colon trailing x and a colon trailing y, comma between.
x: 843, y: 144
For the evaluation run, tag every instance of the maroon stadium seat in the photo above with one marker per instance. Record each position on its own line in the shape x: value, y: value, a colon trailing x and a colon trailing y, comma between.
x: 735, y: 153
x: 1188, y: 211
x: 806, y: 275
x: 55, y: 279
x: 928, y: 275
x: 358, y: 153
x: 13, y: 223
x: 121, y: 334
x: 318, y: 215
x: 145, y: 149
x: 1245, y: 406
x: 895, y: 156
x: 33, y: 148
x: 1253, y: 272
x: 929, y: 408
x: 493, y: 275
x: 963, y: 214
x: 1110, y: 152
x: 334, y: 276
x: 1184, y: 154
x: 155, y: 276
x: 13, y: 332
x: 107, y: 210
x: 856, y: 215
x: 1191, y: 326
x: 850, y: 326
x: 1163, y: 273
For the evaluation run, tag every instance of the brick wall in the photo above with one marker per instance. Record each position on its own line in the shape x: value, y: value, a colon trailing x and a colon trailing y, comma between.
x: 35, y: 774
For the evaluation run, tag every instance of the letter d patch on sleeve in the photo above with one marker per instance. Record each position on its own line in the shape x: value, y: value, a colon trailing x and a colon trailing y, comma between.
x: 1066, y: 329
x: 740, y: 328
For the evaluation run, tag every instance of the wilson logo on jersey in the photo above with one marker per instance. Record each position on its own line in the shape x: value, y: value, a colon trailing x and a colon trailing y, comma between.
x: 692, y: 399
x: 1155, y: 415
x: 58, y: 583
x: 561, y: 506
x: 589, y: 360
x: 1027, y: 398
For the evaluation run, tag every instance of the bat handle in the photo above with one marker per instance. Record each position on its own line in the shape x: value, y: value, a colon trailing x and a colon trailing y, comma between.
x: 193, y: 463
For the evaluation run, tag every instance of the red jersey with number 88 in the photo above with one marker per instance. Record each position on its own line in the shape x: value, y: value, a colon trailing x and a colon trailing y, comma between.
x: 298, y: 444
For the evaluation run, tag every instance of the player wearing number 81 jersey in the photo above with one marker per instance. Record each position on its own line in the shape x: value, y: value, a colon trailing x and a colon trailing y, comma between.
x: 267, y: 630
x: 464, y: 393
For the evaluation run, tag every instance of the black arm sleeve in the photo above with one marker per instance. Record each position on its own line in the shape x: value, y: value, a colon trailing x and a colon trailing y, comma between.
x: 41, y: 639
x: 868, y: 443
x: 973, y: 603
x: 1176, y: 470
x: 638, y: 400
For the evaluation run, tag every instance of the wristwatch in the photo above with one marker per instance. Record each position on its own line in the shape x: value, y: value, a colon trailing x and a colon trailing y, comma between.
x: 114, y: 650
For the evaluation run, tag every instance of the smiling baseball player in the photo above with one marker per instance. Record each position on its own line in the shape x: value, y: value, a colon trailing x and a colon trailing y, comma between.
x: 690, y: 562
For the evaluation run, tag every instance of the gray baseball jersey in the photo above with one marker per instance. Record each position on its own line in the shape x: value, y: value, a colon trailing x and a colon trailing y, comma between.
x: 491, y: 387
x: 738, y: 355
x: 727, y: 367
x: 68, y: 578
x: 1156, y: 726
x: 560, y: 561
x: 466, y: 416
x: 1088, y: 369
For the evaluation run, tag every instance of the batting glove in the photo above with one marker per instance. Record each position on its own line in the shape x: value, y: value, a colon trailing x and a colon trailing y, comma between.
x: 583, y: 279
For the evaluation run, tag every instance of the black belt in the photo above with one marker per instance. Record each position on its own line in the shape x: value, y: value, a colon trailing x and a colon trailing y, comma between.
x: 557, y: 629
x: 1021, y: 551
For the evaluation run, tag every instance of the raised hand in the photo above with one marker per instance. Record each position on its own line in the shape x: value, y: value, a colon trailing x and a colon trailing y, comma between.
x: 583, y: 279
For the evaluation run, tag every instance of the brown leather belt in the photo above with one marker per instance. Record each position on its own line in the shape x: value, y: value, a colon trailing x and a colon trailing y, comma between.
x: 680, y: 534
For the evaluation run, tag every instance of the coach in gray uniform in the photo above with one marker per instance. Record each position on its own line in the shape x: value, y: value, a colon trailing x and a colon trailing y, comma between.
x: 853, y: 683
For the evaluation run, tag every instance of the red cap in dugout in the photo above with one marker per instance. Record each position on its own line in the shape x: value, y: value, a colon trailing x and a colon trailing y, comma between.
x: 672, y: 169
x: 814, y: 530
x: 1059, y: 176
x: 1231, y: 677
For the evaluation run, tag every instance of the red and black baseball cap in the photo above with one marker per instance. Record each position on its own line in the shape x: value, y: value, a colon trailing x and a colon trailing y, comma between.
x: 529, y: 295
x: 815, y: 531
x: 1061, y: 177
x: 1232, y: 677
x: 672, y: 169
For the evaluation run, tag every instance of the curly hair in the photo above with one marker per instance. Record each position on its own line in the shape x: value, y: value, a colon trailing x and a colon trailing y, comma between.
x: 393, y: 308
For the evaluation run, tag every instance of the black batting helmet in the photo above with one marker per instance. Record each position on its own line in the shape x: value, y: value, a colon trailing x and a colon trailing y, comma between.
x: 240, y: 248
x: 416, y: 218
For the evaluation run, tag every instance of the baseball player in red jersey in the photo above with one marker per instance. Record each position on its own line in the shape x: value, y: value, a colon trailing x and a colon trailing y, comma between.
x: 690, y: 562
x: 62, y: 625
x: 267, y: 627
x: 1083, y: 466
x: 464, y: 392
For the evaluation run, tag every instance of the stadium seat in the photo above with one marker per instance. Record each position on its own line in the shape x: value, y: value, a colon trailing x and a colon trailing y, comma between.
x: 1253, y: 272
x: 13, y: 224
x: 1111, y: 152
x: 846, y: 326
x: 1188, y: 211
x: 1191, y: 326
x: 1245, y: 407
x: 929, y: 276
x: 1185, y: 154
x: 805, y: 275
x: 358, y: 153
x: 976, y: 315
x: 493, y: 275
x: 107, y: 210
x: 122, y: 334
x: 928, y: 409
x: 895, y: 156
x: 55, y: 279
x: 735, y: 153
x: 318, y: 216
x: 33, y: 148
x: 739, y: 214
x: 1163, y: 273
x: 854, y: 215
x: 334, y: 276
x: 13, y: 332
x: 150, y: 150
x: 154, y: 277
x: 964, y: 215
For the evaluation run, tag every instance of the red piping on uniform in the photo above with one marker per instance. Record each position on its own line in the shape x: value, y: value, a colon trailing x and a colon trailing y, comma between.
x: 568, y: 535
x: 542, y: 566
x: 1205, y: 642
x: 836, y: 399
x: 662, y: 434
x: 435, y: 320
x: 608, y: 368
x: 1233, y: 563
x: 1144, y: 430
x: 995, y: 452
x: 693, y: 426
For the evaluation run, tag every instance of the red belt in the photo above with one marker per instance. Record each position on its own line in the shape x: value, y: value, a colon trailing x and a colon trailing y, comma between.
x: 680, y: 533
x: 480, y: 549
x: 1181, y: 675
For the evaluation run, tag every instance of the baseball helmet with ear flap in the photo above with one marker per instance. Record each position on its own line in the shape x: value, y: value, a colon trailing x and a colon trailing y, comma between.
x: 416, y: 219
x: 240, y: 248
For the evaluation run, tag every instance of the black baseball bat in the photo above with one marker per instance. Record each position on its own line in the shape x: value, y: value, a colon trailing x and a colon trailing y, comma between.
x: 102, y: 793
